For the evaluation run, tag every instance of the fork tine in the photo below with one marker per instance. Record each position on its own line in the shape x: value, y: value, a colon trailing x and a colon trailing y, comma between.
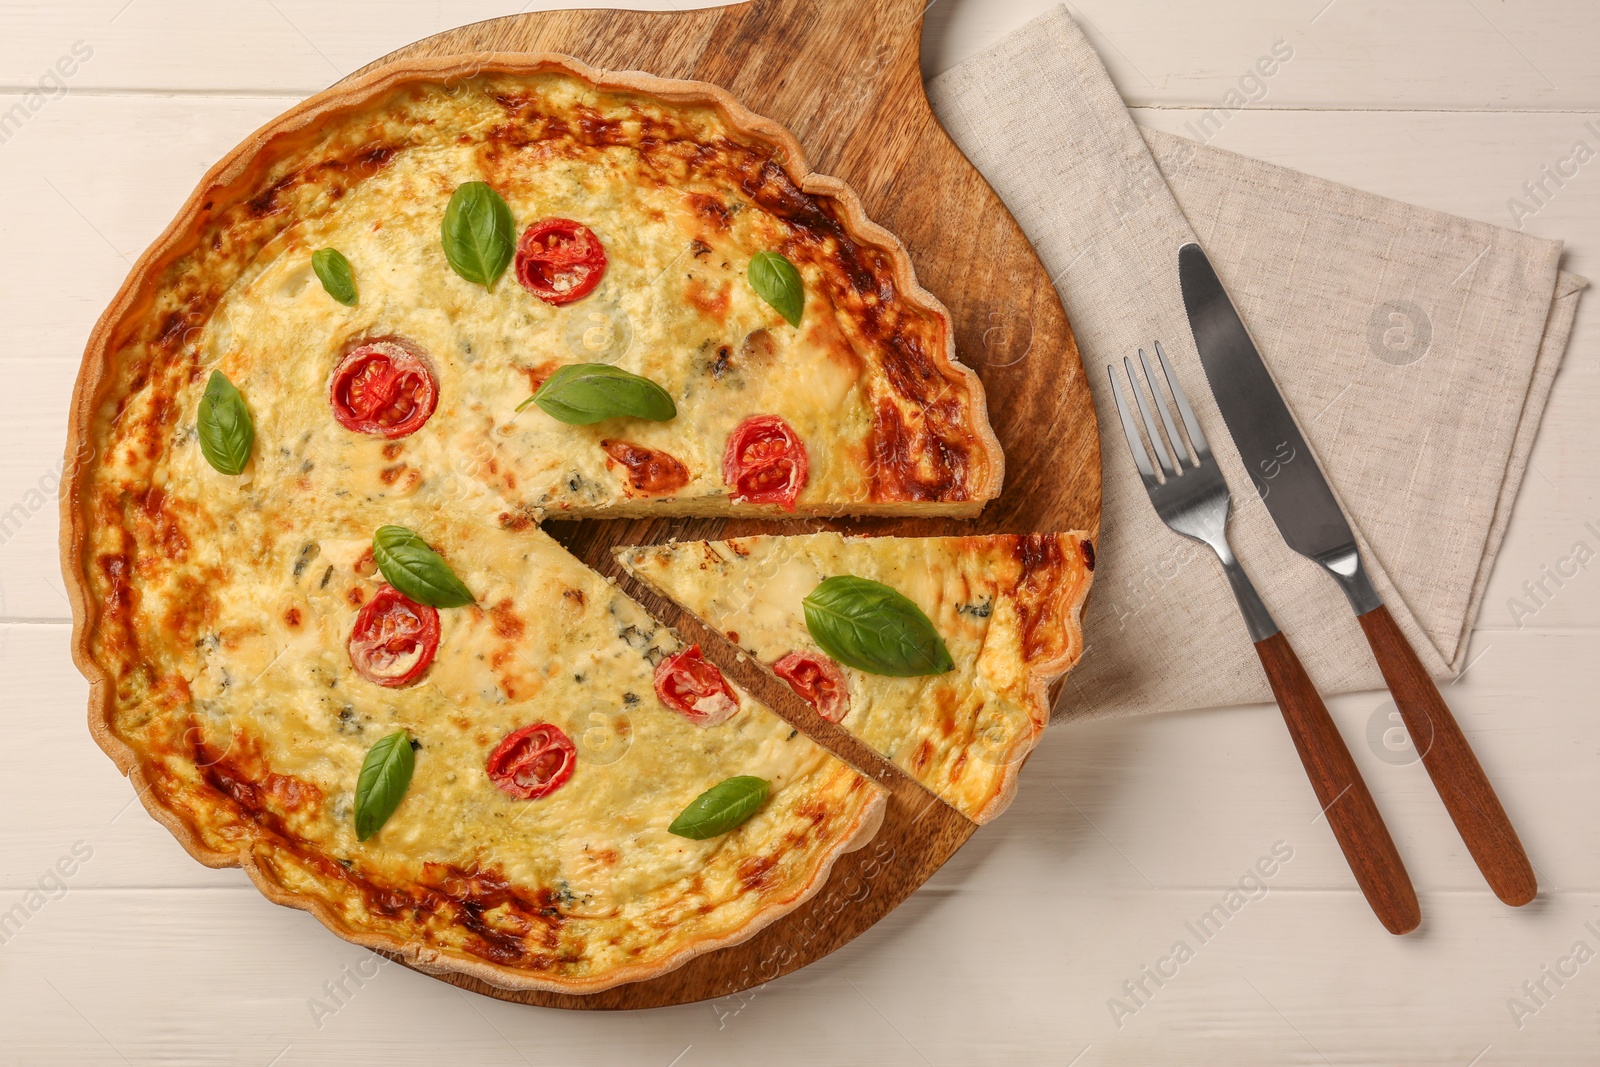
x: 1149, y: 423
x: 1180, y: 451
x: 1130, y: 430
x: 1197, y: 437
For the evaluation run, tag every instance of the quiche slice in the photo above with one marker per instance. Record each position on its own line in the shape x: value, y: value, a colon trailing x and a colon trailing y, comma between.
x: 1006, y: 608
x: 558, y: 732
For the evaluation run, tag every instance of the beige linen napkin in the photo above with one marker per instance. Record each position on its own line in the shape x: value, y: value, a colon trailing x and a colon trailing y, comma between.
x: 1415, y: 348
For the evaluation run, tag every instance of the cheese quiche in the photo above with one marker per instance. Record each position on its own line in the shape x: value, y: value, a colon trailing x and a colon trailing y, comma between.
x: 1004, y: 613
x: 313, y: 438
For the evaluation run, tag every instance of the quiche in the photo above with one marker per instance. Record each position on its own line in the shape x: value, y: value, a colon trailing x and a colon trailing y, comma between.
x: 1006, y: 608
x: 313, y: 439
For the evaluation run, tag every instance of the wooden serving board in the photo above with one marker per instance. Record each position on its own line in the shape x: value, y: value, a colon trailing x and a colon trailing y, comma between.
x: 845, y: 77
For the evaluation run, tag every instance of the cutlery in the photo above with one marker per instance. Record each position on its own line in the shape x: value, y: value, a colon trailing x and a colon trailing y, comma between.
x: 1308, y: 517
x: 1192, y: 498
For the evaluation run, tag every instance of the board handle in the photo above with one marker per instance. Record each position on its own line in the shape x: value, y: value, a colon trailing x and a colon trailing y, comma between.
x: 1451, y: 763
x: 1340, y: 789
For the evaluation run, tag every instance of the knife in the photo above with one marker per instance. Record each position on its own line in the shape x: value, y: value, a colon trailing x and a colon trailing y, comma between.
x: 1309, y: 519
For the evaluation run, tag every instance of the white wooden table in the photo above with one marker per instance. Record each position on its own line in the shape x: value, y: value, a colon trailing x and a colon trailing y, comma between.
x: 1125, y: 833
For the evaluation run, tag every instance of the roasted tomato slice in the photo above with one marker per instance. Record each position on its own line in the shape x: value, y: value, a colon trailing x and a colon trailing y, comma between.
x: 559, y: 260
x: 533, y: 762
x: 819, y: 680
x: 765, y: 462
x: 383, y: 387
x: 694, y: 688
x: 651, y: 471
x: 394, y: 638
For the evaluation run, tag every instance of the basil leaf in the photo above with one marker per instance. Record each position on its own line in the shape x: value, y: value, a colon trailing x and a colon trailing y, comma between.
x: 416, y: 570
x: 720, y: 808
x: 776, y: 281
x: 227, y: 432
x: 333, y: 270
x: 478, y: 233
x: 871, y: 627
x: 385, y: 774
x: 586, y: 393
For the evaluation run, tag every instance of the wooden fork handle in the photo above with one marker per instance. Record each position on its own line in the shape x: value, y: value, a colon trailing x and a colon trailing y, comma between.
x: 1343, y: 794
x: 1456, y: 773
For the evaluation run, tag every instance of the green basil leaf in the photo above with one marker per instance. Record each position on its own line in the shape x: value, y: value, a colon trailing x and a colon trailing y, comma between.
x: 333, y: 270
x: 720, y: 808
x: 478, y: 234
x: 416, y: 570
x: 586, y: 393
x: 871, y: 627
x: 385, y: 774
x: 776, y: 281
x: 227, y: 432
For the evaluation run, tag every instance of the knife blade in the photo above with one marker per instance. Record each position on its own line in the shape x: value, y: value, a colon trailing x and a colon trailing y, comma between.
x: 1302, y: 506
x: 1284, y: 471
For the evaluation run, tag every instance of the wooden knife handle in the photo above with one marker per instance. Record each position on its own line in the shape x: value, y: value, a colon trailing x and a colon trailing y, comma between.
x: 1348, y: 805
x: 1456, y: 773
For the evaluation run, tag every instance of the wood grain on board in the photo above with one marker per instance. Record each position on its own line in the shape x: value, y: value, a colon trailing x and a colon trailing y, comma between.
x: 844, y: 77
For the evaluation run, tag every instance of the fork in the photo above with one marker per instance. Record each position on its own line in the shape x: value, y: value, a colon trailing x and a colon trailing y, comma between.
x: 1192, y: 498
